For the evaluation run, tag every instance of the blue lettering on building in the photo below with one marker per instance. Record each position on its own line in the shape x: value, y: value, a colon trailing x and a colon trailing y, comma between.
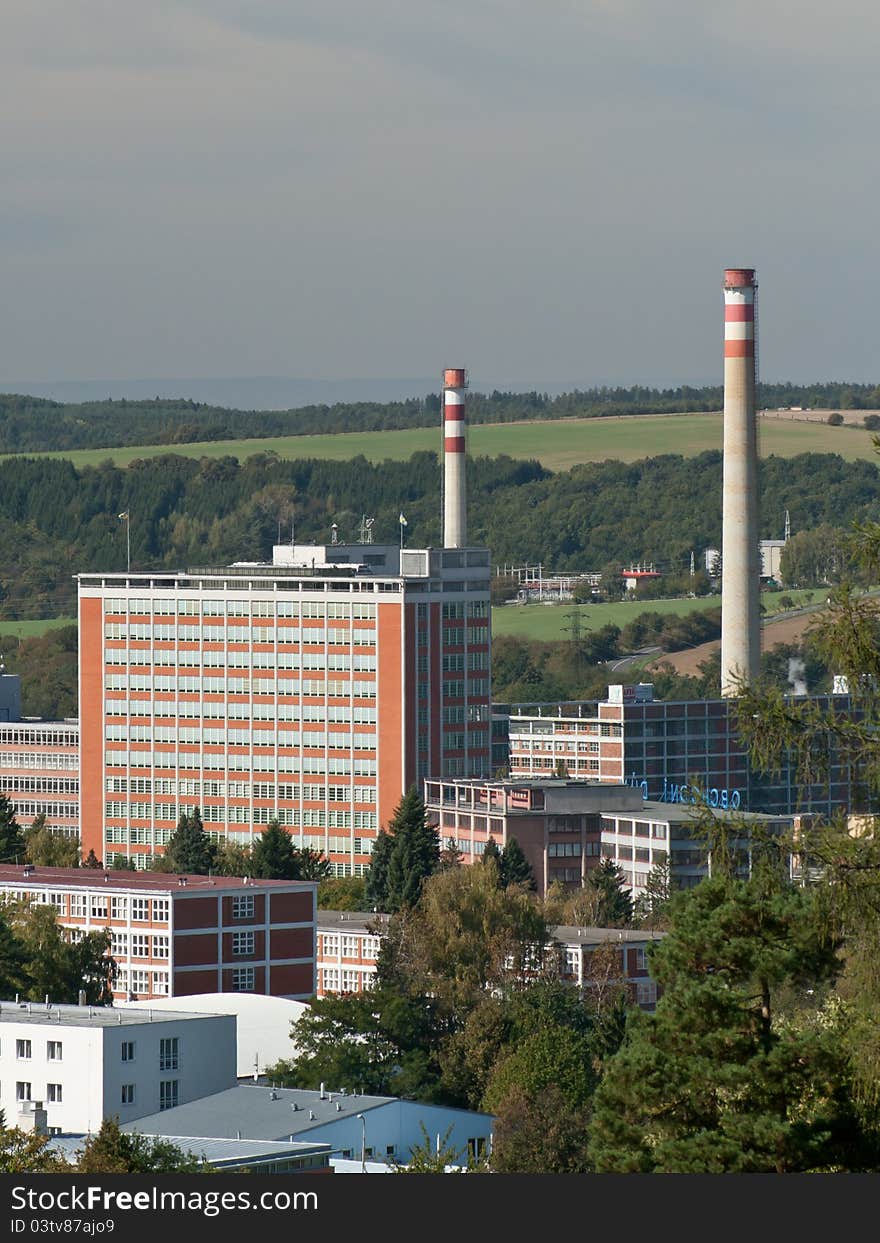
x: 726, y: 800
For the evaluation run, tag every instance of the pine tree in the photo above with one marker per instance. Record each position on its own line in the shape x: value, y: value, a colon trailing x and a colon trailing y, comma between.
x: 515, y: 867
x: 650, y: 906
x: 12, y: 843
x: 311, y: 864
x: 717, y: 1081
x: 492, y: 854
x: 615, y: 906
x: 376, y: 891
x: 415, y: 853
x: 14, y: 974
x: 189, y: 848
x: 91, y: 860
x: 274, y: 855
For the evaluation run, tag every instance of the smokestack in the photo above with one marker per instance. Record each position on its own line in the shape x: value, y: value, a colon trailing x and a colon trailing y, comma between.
x: 740, y: 579
x: 454, y: 502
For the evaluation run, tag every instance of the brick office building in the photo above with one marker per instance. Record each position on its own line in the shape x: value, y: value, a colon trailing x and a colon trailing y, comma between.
x: 178, y: 935
x: 314, y: 690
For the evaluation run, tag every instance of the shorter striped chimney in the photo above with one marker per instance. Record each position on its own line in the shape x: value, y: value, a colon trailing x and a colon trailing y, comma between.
x: 454, y: 450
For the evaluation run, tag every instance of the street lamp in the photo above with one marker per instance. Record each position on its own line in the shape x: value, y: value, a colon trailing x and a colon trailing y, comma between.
x: 363, y: 1123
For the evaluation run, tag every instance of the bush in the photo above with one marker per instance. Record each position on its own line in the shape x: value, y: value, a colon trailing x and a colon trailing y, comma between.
x: 835, y: 419
x: 871, y: 422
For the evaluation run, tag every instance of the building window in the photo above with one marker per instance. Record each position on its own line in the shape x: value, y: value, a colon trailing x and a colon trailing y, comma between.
x: 243, y: 944
x: 128, y: 1094
x: 140, y: 909
x: 140, y: 945
x: 169, y: 1053
x: 22, y: 1049
x: 160, y: 947
x: 350, y: 947
x: 127, y: 1051
x: 53, y: 1050
x: 243, y: 980
x: 118, y: 908
x: 53, y: 1093
x: 243, y: 906
x: 169, y: 1094
x: 22, y: 1091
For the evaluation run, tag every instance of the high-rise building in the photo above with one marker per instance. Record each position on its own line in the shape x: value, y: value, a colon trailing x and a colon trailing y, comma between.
x: 313, y: 691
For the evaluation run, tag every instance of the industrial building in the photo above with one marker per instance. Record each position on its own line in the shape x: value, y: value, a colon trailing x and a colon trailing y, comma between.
x: 667, y: 749
x: 177, y: 935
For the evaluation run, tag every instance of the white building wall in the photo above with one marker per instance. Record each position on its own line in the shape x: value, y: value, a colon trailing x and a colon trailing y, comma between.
x: 90, y: 1071
x: 397, y: 1125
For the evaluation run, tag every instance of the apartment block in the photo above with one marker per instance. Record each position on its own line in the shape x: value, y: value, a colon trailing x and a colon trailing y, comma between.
x: 179, y: 935
x: 84, y: 1064
x: 39, y: 771
x: 313, y: 690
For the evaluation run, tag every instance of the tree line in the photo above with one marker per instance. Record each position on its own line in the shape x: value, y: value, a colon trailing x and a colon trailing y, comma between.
x: 35, y: 424
x: 56, y: 520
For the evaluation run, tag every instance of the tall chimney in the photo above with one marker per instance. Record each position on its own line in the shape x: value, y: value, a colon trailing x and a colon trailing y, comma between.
x: 740, y: 574
x: 454, y: 502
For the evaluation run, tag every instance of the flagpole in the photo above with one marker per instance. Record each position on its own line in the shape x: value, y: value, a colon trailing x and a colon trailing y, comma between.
x: 128, y: 541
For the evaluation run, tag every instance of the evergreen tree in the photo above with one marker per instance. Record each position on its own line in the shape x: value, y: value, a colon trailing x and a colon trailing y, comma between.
x: 491, y: 854
x: 650, y: 906
x: 14, y: 974
x: 515, y: 867
x: 274, y: 856
x: 91, y: 860
x: 12, y: 843
x: 615, y: 906
x: 376, y: 891
x: 718, y: 1080
x: 450, y: 855
x: 311, y: 864
x: 415, y: 854
x: 189, y: 848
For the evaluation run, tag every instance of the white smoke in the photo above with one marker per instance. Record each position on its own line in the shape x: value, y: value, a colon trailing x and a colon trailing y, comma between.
x: 796, y: 672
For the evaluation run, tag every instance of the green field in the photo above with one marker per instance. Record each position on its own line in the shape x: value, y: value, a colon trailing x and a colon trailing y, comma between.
x: 558, y: 444
x: 553, y: 621
x: 27, y: 629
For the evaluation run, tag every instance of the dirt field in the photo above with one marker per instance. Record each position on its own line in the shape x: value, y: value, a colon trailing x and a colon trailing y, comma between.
x: 785, y: 631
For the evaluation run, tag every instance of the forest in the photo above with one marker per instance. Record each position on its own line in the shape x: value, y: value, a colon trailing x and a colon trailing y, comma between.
x: 56, y: 521
x: 32, y: 424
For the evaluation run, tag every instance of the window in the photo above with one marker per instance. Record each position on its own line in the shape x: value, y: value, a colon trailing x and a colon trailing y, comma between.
x: 127, y: 1094
x: 350, y: 947
x: 53, y: 1050
x: 140, y: 909
x: 169, y: 1053
x: 127, y: 1051
x: 169, y: 1094
x: 118, y: 908
x: 243, y: 944
x: 53, y: 1093
x: 22, y: 1091
x: 23, y: 1050
x: 243, y: 980
x: 243, y: 906
x: 140, y: 945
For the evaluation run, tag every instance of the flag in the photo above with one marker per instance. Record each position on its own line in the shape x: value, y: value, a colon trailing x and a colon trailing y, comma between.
x: 402, y: 520
x: 123, y: 516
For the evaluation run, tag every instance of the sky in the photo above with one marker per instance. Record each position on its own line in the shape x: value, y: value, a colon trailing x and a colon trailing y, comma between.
x: 541, y: 192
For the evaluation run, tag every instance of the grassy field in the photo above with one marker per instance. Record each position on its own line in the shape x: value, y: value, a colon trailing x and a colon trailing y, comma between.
x: 559, y: 444
x: 27, y: 629
x: 553, y: 621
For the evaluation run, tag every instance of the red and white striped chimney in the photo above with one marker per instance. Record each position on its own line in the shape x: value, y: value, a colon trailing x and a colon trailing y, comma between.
x: 454, y: 449
x: 740, y: 569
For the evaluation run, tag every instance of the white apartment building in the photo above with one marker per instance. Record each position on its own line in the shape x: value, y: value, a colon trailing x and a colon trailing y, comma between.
x: 87, y: 1063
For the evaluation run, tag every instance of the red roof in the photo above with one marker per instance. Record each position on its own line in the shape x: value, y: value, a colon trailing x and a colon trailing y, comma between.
x: 12, y: 874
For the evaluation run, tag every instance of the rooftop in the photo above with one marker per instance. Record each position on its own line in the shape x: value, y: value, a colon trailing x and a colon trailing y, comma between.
x: 33, y: 1012
x: 603, y: 936
x: 258, y: 1112
x: 159, y: 882
x: 356, y: 921
x: 220, y: 1152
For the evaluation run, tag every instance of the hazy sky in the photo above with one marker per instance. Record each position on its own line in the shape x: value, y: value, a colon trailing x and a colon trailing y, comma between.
x: 535, y: 189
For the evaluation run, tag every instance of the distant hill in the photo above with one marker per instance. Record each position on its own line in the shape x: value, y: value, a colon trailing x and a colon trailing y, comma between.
x: 32, y: 423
